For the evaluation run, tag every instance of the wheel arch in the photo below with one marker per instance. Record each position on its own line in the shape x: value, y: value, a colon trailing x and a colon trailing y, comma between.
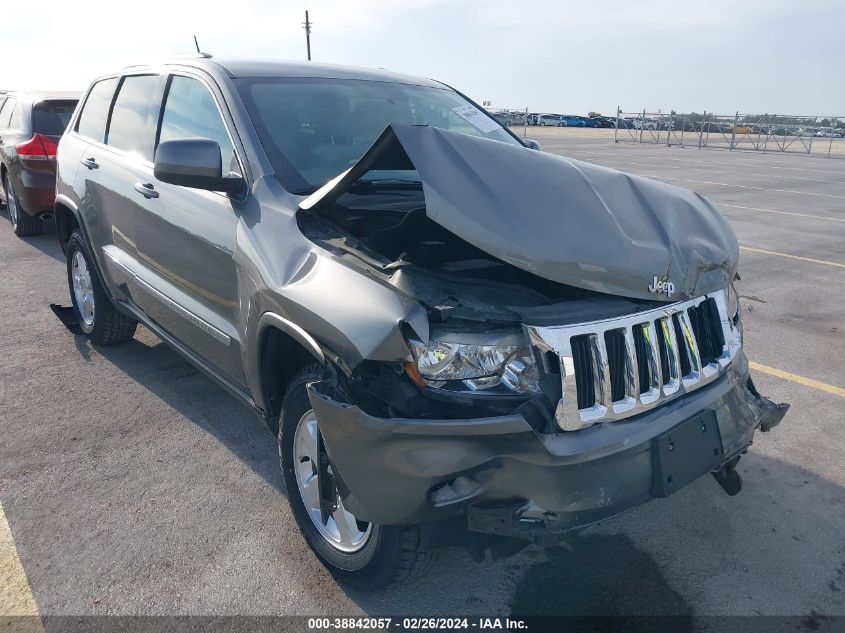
x: 284, y: 348
x: 66, y: 215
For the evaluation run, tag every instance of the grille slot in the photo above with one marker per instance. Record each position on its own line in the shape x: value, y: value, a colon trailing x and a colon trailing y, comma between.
x: 679, y: 337
x: 616, y: 368
x: 614, y: 341
x: 704, y: 319
x: 582, y: 358
x: 642, y: 357
x: 663, y: 345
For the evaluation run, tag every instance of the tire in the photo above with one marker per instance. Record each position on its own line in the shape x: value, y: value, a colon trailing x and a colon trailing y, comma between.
x: 386, y: 555
x: 542, y: 124
x: 101, y: 323
x: 23, y: 224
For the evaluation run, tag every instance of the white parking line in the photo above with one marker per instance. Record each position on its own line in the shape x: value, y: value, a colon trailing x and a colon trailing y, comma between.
x: 803, y: 215
x: 728, y: 184
x: 803, y: 259
x: 718, y: 171
x: 654, y: 155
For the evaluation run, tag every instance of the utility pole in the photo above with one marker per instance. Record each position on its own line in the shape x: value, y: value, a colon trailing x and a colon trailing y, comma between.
x: 307, y: 27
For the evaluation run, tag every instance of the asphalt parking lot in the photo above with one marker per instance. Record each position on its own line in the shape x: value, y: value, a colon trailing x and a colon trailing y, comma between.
x: 133, y: 485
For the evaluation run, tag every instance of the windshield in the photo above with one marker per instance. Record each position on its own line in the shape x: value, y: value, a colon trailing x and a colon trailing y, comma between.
x: 313, y: 129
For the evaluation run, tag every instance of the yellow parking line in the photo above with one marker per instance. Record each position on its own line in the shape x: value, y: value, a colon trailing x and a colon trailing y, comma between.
x: 807, y: 382
x: 17, y: 604
x: 803, y: 259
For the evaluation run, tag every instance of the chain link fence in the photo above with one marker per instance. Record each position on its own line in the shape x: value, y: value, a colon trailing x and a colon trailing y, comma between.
x: 816, y: 135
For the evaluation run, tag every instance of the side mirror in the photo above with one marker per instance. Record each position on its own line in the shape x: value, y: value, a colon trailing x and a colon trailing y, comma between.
x: 531, y: 144
x: 195, y: 163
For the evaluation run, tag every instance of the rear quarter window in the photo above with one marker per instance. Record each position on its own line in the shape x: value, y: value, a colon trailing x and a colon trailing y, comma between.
x: 52, y: 117
x: 7, y: 115
x: 95, y: 112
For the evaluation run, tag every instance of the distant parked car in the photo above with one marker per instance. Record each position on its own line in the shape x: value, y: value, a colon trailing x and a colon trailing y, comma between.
x: 501, y: 117
x: 829, y: 133
x: 31, y: 125
x: 682, y: 125
x: 553, y: 120
x: 601, y: 121
x: 646, y: 124
x: 570, y: 120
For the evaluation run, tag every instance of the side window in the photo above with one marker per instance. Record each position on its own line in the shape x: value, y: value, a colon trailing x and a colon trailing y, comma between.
x: 95, y: 112
x: 6, y: 113
x: 190, y: 111
x: 130, y: 126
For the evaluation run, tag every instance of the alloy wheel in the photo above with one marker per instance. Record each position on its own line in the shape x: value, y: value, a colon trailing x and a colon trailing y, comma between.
x: 341, y: 529
x: 83, y: 290
x: 11, y: 203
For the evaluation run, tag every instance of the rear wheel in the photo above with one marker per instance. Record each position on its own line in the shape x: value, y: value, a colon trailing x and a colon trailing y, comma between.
x: 95, y: 314
x: 23, y: 224
x: 362, y: 554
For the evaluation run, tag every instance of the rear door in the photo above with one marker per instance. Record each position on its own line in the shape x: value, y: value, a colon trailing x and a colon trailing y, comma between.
x: 118, y: 157
x: 77, y: 163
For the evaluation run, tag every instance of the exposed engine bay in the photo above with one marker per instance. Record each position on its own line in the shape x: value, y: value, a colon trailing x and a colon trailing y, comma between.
x: 385, y: 226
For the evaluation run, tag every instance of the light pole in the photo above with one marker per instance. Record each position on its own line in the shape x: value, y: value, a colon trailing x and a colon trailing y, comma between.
x: 307, y: 27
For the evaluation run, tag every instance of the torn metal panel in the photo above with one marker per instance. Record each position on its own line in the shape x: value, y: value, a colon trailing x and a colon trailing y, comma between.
x: 564, y: 220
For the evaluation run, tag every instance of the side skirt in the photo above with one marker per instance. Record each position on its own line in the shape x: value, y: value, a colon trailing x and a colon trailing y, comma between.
x: 234, y: 390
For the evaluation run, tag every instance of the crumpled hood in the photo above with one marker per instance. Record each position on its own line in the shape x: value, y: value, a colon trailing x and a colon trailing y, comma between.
x: 565, y: 220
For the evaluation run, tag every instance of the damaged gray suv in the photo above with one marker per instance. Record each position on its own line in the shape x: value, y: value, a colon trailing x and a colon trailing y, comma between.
x: 458, y: 339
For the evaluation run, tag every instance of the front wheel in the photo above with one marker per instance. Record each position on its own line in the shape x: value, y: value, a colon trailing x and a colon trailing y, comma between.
x: 95, y: 314
x: 364, y: 555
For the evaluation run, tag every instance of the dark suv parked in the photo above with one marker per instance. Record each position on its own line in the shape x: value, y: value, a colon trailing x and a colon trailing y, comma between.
x: 458, y: 339
x: 30, y: 127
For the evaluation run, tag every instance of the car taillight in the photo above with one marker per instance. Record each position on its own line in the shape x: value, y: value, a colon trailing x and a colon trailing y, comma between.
x: 38, y: 147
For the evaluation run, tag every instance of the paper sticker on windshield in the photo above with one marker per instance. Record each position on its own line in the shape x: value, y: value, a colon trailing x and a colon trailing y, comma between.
x: 476, y: 118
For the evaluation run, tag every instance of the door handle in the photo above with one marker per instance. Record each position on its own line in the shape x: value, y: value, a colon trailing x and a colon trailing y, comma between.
x: 90, y: 163
x: 146, y: 189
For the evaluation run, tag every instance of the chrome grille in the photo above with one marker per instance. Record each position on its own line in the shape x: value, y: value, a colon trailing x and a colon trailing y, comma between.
x: 620, y: 367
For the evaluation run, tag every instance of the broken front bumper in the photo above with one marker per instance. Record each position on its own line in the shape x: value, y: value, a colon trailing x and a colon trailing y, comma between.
x: 507, y: 478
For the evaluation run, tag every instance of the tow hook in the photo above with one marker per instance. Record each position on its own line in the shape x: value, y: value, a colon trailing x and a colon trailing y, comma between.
x: 729, y: 479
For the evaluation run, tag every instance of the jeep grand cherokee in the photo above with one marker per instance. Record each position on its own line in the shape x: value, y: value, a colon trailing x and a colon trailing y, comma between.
x: 457, y: 339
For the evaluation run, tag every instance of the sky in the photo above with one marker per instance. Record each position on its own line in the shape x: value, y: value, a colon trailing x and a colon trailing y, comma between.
x: 755, y: 56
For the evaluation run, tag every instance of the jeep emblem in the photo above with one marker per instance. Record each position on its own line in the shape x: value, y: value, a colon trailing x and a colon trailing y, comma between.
x: 659, y: 287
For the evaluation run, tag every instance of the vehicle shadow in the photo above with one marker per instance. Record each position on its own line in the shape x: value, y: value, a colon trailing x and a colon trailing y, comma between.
x: 774, y: 549
x: 180, y: 385
x: 46, y: 242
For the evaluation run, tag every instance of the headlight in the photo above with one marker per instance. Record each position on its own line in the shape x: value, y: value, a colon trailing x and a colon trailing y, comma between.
x: 460, y: 366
